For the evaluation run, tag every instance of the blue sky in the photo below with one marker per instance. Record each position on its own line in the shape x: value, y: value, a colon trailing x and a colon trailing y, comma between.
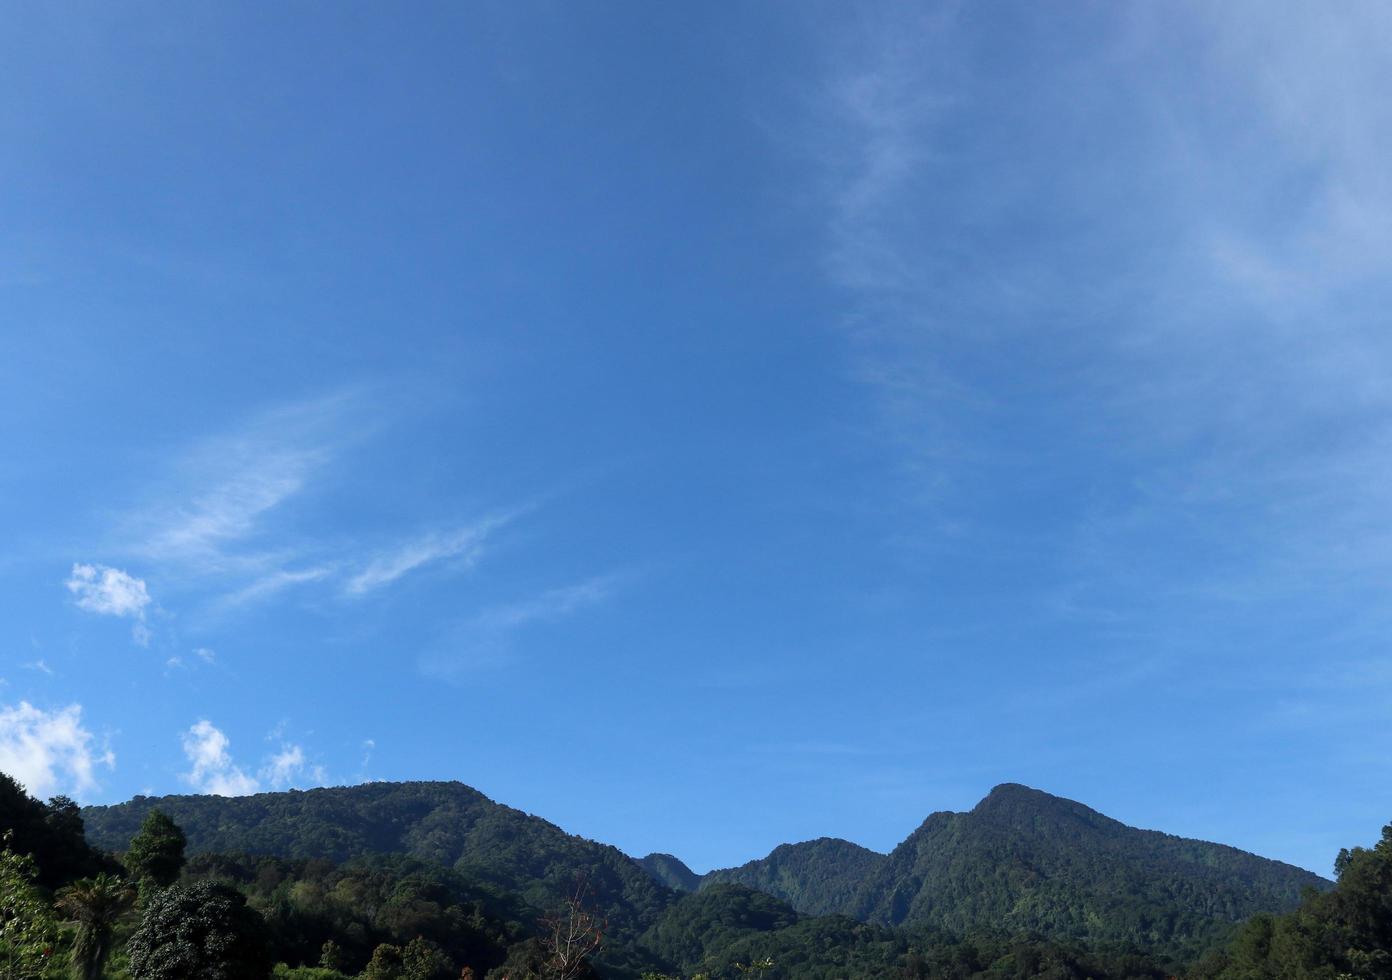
x: 706, y: 426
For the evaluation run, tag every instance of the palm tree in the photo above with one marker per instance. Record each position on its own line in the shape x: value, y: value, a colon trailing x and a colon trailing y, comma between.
x: 97, y: 904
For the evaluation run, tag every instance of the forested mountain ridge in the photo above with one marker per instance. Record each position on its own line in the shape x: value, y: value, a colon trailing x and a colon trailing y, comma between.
x: 446, y: 823
x: 385, y: 917
x: 1023, y: 861
x: 671, y: 871
x: 1020, y: 862
x: 817, y: 877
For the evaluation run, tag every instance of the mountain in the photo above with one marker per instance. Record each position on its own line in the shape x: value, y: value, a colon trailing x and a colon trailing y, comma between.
x: 447, y: 823
x: 670, y: 871
x: 1020, y: 862
x: 818, y: 877
x: 1025, y: 862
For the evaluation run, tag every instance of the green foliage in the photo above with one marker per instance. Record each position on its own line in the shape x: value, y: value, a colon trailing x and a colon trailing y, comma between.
x: 443, y: 823
x: 337, y: 915
x: 1344, y: 934
x: 714, y: 919
x: 424, y: 960
x: 1033, y: 880
x: 202, y: 930
x: 156, y: 853
x: 332, y: 957
x: 385, y: 964
x: 671, y: 872
x: 51, y: 833
x: 97, y: 906
x: 1026, y: 863
x: 819, y: 877
x: 284, y: 972
x: 28, y: 933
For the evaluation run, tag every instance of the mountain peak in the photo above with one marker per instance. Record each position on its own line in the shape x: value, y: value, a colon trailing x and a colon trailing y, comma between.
x: 670, y: 870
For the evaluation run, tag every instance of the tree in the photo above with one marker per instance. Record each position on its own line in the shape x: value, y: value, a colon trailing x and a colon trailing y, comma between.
x: 97, y: 905
x: 332, y: 957
x: 27, y: 929
x: 204, y: 930
x: 424, y: 960
x: 385, y: 963
x: 156, y: 854
x: 571, y: 936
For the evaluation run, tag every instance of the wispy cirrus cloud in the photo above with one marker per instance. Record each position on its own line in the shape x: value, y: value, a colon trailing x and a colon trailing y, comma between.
x: 50, y: 751
x: 270, y: 584
x: 463, y: 545
x: 1194, y: 299
x: 227, y: 527
x: 488, y: 637
x: 551, y: 604
x: 215, y: 514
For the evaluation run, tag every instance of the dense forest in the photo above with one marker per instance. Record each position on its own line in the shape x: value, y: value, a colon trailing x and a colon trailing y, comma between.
x: 433, y: 881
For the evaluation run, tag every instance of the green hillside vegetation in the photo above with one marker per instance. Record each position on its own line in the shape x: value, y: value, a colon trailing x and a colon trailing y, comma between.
x: 446, y: 823
x: 52, y: 833
x: 1344, y: 934
x: 819, y: 877
x: 1025, y: 862
x: 432, y: 881
x: 714, y: 919
x: 671, y: 872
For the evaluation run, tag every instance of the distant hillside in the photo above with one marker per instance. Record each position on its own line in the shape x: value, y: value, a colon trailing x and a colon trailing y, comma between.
x: 444, y: 822
x: 670, y: 871
x: 1023, y: 861
x: 818, y: 877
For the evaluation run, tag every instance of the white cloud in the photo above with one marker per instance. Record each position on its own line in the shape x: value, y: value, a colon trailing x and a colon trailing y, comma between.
x: 230, y: 485
x: 289, y: 768
x: 50, y: 751
x: 213, y: 770
x: 464, y: 544
x: 283, y: 767
x: 108, y: 591
x: 271, y: 584
x: 551, y: 604
x: 205, y: 655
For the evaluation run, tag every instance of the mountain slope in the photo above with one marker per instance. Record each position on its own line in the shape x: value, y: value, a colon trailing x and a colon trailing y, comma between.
x: 444, y: 822
x: 817, y: 877
x: 1025, y: 861
x: 1021, y: 861
x: 670, y: 871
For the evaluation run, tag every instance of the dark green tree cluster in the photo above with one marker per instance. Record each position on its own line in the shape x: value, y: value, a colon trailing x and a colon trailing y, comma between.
x: 727, y: 932
x: 342, y: 917
x: 445, y: 823
x: 51, y: 833
x: 204, y: 930
x: 1344, y: 934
